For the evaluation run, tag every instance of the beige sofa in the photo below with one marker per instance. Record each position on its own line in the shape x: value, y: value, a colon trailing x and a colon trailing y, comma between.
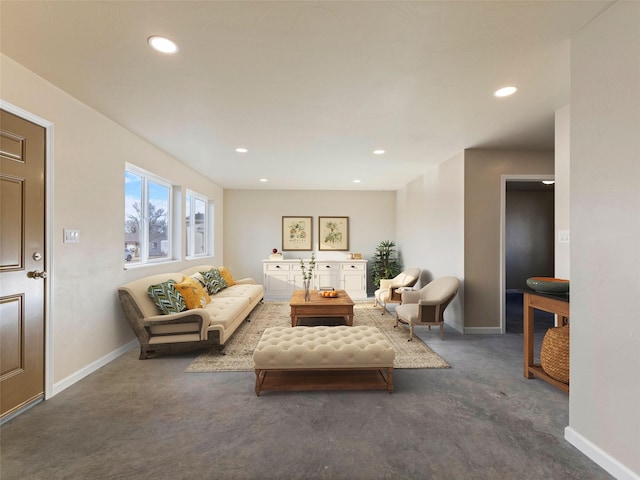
x: 189, y: 329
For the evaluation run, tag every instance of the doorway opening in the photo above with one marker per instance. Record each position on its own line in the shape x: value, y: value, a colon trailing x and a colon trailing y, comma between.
x: 527, y: 245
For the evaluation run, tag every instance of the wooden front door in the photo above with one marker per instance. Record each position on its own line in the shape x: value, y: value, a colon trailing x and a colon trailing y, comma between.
x: 22, y: 260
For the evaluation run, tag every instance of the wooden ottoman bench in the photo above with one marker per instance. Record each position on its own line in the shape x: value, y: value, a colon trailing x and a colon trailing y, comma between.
x: 323, y: 358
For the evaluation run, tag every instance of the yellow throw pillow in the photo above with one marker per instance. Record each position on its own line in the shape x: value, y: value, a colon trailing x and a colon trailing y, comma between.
x: 226, y: 274
x: 194, y: 294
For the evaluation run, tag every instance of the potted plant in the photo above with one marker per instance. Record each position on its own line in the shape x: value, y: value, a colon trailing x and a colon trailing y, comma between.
x: 385, y: 263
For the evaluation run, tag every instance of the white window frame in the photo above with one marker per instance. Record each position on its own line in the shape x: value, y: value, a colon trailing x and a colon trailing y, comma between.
x: 143, y: 240
x: 190, y: 230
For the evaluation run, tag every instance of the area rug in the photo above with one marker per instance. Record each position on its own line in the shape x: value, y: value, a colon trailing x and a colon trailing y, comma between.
x: 237, y: 355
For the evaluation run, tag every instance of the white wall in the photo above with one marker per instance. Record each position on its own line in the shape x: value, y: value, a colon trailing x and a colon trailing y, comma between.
x: 86, y: 323
x: 430, y: 227
x: 562, y: 175
x: 604, y: 419
x: 253, y: 220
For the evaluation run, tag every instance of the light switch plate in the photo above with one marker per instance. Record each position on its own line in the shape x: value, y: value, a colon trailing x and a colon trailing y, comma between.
x: 563, y: 236
x: 71, y: 236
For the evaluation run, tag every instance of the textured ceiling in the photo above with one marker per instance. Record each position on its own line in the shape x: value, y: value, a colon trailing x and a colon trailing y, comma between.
x: 310, y: 88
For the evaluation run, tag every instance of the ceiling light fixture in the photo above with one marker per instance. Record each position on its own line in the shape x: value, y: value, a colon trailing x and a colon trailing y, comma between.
x: 241, y: 150
x: 162, y: 44
x: 505, y: 91
x: 264, y: 180
x: 378, y: 152
x: 548, y: 182
x: 356, y: 181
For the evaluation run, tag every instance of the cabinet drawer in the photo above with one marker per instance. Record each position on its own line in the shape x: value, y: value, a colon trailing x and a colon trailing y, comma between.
x: 326, y: 267
x: 353, y: 267
x: 277, y: 267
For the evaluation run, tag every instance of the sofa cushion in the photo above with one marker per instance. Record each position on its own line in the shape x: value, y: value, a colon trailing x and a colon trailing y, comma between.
x: 249, y: 290
x: 214, y: 281
x: 224, y: 311
x: 226, y: 274
x: 194, y: 294
x: 166, y: 297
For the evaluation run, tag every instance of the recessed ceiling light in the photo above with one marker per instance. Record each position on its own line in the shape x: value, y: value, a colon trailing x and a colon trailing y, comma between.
x: 548, y: 182
x: 163, y: 44
x: 264, y: 180
x: 356, y: 181
x: 505, y: 91
x: 378, y: 152
x: 241, y: 150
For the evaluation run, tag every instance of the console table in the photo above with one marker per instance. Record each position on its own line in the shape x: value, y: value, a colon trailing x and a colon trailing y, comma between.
x: 282, y: 277
x: 553, y: 303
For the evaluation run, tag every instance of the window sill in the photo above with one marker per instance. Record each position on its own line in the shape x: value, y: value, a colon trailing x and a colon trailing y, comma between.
x: 135, y: 266
x: 198, y: 257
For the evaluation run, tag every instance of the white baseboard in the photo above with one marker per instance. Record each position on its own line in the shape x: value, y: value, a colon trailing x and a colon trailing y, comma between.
x: 599, y: 456
x: 458, y: 327
x: 92, y: 367
x: 483, y: 330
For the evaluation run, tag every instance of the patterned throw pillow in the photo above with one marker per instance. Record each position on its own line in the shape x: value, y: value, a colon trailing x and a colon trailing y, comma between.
x: 195, y: 296
x: 198, y: 278
x: 226, y: 274
x: 167, y: 298
x: 213, y: 281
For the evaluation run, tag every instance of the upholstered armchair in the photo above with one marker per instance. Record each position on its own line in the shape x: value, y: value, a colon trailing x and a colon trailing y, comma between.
x: 388, y: 291
x: 427, y: 305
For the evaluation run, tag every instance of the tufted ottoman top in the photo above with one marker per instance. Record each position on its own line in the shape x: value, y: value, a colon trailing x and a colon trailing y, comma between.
x: 323, y: 347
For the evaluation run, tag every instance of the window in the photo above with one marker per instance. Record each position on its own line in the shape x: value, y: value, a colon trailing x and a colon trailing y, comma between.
x: 147, y: 217
x: 197, y: 225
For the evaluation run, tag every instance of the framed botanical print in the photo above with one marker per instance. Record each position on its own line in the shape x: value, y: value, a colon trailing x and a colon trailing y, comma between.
x: 333, y: 233
x: 297, y: 233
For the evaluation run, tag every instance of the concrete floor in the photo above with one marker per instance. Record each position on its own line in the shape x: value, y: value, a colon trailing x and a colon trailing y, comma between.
x: 148, y: 419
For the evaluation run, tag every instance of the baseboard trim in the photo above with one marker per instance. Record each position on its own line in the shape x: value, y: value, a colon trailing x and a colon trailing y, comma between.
x: 92, y: 367
x: 21, y: 410
x: 483, y: 330
x: 458, y: 327
x: 599, y: 456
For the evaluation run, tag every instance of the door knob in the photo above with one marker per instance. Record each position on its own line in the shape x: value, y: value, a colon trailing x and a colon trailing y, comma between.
x: 37, y: 274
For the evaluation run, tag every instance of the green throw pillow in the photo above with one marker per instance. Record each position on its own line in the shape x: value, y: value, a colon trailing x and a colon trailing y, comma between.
x: 213, y: 281
x: 167, y: 298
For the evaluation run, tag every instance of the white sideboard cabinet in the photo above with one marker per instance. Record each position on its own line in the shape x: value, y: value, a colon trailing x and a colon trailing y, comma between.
x: 282, y: 277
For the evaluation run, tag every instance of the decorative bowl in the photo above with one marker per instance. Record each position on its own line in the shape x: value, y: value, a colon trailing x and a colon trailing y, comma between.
x: 548, y: 284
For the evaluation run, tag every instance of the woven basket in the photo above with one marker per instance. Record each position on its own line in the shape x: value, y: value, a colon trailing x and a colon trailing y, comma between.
x: 554, y: 354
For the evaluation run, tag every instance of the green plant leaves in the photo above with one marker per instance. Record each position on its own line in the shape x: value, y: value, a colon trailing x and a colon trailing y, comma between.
x: 385, y: 263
